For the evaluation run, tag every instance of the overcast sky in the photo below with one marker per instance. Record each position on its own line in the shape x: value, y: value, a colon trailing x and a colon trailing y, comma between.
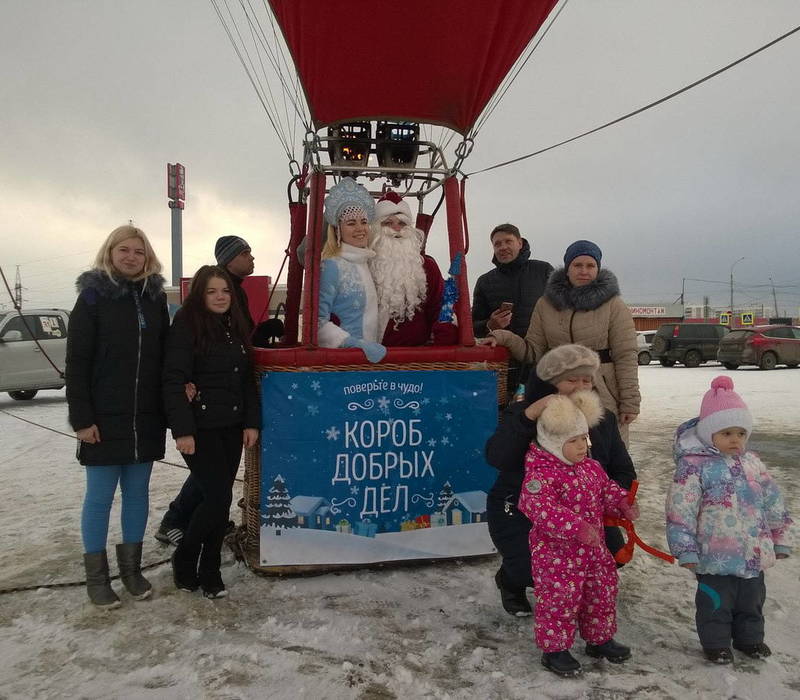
x: 98, y: 96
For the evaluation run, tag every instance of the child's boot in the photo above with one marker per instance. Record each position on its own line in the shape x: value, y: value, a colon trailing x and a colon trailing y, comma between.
x: 754, y: 651
x: 613, y: 651
x: 98, y: 582
x: 719, y: 656
x: 561, y: 663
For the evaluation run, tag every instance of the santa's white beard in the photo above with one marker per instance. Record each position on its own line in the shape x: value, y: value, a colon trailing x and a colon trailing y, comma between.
x: 398, y: 272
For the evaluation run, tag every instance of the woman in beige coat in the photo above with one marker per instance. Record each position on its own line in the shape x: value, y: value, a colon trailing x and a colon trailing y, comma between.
x: 581, y: 304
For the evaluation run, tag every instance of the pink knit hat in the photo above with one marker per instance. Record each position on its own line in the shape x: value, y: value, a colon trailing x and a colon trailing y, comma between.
x: 722, y: 408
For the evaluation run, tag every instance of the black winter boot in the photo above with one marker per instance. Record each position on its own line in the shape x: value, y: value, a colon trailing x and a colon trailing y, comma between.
x: 561, y: 663
x: 184, y: 572
x: 613, y: 651
x: 212, y: 585
x: 719, y: 656
x: 129, y: 560
x: 754, y: 651
x: 514, y: 600
x: 98, y: 582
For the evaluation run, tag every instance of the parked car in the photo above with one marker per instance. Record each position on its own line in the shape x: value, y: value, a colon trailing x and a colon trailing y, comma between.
x: 765, y: 346
x: 24, y: 369
x: 688, y: 343
x: 644, y: 340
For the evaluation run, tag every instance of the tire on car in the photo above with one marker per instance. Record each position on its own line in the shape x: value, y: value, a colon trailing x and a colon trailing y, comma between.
x: 23, y: 395
x: 692, y: 358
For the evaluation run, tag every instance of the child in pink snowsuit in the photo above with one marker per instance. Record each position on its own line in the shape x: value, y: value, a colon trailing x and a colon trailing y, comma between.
x: 565, y: 495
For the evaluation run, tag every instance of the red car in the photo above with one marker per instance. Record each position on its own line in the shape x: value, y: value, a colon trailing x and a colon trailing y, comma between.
x: 765, y: 346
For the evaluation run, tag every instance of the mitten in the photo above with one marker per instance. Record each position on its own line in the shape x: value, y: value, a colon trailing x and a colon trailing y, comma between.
x: 375, y: 352
x: 588, y: 535
x: 628, y: 510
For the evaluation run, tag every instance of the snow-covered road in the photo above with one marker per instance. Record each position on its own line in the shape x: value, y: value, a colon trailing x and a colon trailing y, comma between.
x: 418, y: 632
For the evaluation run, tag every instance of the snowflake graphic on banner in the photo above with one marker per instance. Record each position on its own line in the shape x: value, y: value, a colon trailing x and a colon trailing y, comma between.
x: 332, y: 433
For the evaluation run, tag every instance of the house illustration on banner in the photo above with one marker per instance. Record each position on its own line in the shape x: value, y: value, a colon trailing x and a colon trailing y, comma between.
x: 313, y: 512
x: 466, y: 507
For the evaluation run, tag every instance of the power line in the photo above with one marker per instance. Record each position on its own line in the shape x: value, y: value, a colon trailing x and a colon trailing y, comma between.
x: 641, y: 109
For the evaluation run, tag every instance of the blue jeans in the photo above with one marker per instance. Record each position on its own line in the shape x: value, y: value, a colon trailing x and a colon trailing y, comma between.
x: 101, y: 484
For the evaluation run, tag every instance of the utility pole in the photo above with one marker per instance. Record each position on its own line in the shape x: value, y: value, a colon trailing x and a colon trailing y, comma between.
x: 18, y: 290
x: 732, y: 266
x: 176, y: 191
x: 683, y: 289
x: 774, y: 298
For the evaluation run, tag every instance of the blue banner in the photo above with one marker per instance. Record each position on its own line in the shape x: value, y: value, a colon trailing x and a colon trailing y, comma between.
x: 364, y: 467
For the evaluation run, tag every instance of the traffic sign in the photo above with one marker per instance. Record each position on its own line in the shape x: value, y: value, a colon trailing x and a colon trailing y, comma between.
x: 747, y: 318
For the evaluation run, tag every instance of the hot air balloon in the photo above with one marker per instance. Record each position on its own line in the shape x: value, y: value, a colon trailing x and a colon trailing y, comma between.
x: 363, y: 463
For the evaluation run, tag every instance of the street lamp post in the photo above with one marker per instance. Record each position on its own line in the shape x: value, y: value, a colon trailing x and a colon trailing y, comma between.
x: 732, y: 266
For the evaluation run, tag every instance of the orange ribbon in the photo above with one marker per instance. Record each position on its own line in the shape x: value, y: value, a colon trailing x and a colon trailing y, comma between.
x: 625, y: 554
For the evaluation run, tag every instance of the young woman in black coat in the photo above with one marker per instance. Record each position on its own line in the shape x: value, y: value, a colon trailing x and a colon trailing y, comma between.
x: 115, y: 347
x: 209, y: 347
x: 563, y: 370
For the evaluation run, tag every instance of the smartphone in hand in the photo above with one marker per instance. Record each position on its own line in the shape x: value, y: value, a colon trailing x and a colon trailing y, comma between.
x: 506, y: 306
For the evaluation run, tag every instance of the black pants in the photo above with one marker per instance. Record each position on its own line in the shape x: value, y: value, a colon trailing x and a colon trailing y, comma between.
x: 509, y: 530
x: 180, y: 510
x: 729, y: 607
x: 214, y: 465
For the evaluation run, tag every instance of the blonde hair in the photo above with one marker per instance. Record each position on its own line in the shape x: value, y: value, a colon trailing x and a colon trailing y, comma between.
x: 152, y: 266
x: 333, y: 243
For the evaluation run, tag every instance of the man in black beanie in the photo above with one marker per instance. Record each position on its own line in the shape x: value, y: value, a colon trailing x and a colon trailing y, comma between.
x: 234, y: 254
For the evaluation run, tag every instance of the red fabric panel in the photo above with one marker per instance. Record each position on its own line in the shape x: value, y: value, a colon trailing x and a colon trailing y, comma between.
x: 452, y: 198
x: 312, y: 261
x: 294, y: 275
x: 307, y: 357
x: 433, y: 61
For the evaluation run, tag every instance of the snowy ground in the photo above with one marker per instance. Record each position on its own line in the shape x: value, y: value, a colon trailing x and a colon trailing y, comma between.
x: 426, y: 632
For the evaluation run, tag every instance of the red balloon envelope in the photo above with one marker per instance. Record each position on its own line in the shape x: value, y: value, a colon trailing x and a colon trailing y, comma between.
x: 430, y: 61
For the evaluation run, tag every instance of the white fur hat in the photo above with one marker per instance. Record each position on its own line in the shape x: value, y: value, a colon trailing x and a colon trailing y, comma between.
x: 392, y: 203
x: 566, y: 417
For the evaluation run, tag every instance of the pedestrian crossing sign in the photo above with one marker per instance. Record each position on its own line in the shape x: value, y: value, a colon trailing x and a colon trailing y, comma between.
x: 747, y: 319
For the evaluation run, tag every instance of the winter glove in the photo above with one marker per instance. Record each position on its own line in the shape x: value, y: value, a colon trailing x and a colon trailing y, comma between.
x: 628, y: 510
x: 588, y: 535
x: 375, y: 352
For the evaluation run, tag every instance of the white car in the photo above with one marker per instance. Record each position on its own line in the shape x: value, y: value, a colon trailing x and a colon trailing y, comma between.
x: 644, y: 340
x: 24, y: 369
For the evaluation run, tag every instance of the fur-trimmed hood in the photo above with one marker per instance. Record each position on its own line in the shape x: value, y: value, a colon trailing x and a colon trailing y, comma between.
x: 100, y: 282
x: 562, y: 295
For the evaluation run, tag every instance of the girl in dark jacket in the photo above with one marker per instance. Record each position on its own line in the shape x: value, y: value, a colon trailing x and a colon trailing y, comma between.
x: 564, y: 370
x: 115, y: 345
x: 208, y: 346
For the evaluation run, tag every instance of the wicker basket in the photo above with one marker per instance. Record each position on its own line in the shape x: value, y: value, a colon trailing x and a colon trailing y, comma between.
x: 248, y: 541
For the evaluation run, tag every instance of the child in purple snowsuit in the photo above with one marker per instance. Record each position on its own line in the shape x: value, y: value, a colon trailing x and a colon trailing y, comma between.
x: 565, y: 495
x: 726, y: 522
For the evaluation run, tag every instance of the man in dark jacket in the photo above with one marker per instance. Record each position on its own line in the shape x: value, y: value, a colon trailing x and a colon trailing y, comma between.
x: 505, y: 451
x: 505, y: 297
x: 234, y: 254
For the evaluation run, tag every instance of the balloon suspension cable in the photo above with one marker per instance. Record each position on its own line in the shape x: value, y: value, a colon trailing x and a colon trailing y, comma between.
x: 646, y: 107
x: 265, y: 310
x: 508, y: 81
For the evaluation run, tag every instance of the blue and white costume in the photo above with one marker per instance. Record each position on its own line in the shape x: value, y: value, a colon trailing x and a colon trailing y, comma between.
x: 346, y: 289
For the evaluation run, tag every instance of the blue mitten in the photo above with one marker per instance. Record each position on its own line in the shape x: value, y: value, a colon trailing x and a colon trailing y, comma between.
x: 375, y: 352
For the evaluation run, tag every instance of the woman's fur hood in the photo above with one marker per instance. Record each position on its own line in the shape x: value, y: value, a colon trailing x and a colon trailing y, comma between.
x: 97, y: 280
x: 562, y: 295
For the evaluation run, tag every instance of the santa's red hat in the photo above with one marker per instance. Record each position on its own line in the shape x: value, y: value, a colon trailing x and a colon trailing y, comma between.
x: 392, y: 203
